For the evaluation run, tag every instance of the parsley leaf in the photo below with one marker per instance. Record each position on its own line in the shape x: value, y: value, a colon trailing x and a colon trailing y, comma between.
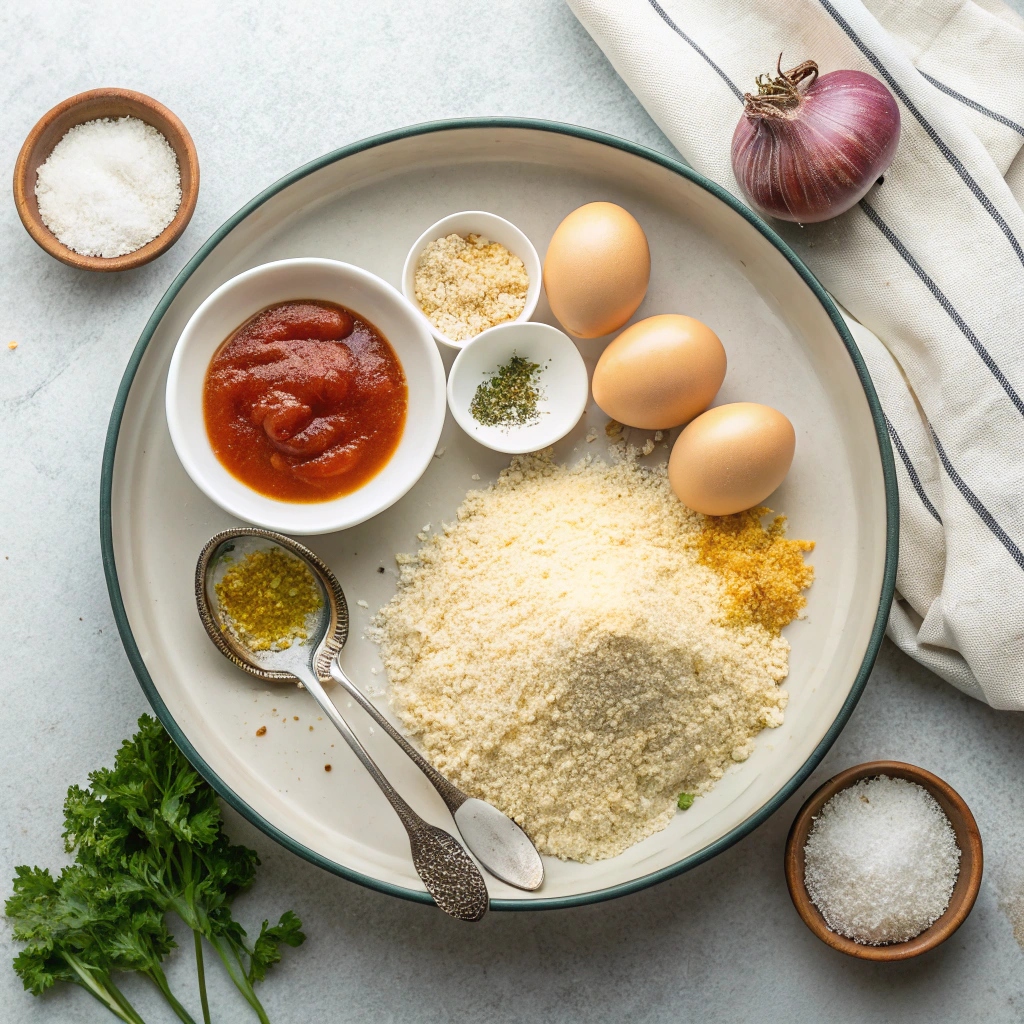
x: 266, y: 950
x: 147, y: 838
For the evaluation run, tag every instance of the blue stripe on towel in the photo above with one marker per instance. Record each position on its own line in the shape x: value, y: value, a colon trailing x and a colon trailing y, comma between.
x: 911, y: 472
x: 682, y: 35
x: 978, y: 347
x: 973, y: 104
x: 950, y: 156
x: 975, y: 502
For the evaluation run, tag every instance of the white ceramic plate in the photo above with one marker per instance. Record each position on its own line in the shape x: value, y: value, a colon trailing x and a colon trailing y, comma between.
x: 711, y: 259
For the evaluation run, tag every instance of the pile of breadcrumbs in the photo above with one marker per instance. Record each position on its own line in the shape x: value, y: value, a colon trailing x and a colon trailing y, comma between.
x: 579, y: 648
x: 465, y: 285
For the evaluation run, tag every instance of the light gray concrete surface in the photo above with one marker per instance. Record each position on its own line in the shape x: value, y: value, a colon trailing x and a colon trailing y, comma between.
x: 263, y: 87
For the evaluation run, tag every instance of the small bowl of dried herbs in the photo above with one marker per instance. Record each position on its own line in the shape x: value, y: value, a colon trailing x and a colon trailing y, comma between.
x: 518, y: 387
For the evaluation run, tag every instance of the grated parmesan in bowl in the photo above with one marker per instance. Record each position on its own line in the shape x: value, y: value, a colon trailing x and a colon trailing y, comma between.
x: 465, y: 285
x: 579, y: 648
x: 469, y: 272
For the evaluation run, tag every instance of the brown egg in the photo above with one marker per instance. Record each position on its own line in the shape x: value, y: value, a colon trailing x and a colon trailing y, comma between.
x: 660, y: 372
x: 596, y: 269
x: 731, y: 458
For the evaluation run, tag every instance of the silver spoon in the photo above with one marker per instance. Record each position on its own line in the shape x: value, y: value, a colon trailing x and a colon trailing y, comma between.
x: 494, y: 838
x: 447, y: 871
x: 503, y: 848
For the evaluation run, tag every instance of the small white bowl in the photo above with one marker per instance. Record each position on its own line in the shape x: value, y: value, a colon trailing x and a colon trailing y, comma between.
x: 563, y: 384
x: 494, y: 229
x: 328, y: 280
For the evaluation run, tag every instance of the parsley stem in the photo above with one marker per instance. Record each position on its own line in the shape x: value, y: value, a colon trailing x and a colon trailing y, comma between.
x: 99, y: 984
x: 201, y: 971
x: 123, y: 1009
x: 228, y: 952
x: 159, y: 979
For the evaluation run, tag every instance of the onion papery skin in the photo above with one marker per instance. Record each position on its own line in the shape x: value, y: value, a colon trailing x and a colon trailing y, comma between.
x: 820, y: 156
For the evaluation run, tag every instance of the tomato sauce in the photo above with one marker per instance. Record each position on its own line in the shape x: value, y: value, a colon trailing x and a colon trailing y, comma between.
x: 305, y: 402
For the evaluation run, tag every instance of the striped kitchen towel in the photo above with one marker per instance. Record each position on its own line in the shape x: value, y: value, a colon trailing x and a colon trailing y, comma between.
x: 930, y: 265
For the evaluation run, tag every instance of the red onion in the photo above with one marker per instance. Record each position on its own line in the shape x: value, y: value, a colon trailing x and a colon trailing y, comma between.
x: 810, y: 152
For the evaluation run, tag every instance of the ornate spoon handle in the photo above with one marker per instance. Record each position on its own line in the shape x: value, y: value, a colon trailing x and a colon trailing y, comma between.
x: 443, y: 865
x: 450, y: 793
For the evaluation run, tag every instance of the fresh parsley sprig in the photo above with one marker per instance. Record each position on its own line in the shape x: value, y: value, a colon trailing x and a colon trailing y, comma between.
x: 79, y: 929
x: 148, y: 840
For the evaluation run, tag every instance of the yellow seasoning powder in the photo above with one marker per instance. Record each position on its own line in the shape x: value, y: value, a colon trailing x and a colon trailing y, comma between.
x: 268, y: 597
x: 763, y: 571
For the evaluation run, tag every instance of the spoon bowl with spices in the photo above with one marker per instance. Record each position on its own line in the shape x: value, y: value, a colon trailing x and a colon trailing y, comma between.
x: 890, y: 854
x: 518, y: 387
x: 107, y: 180
x: 276, y: 610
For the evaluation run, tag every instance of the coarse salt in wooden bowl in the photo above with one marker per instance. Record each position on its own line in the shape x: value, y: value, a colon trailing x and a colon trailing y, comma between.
x: 88, y: 106
x: 968, y: 882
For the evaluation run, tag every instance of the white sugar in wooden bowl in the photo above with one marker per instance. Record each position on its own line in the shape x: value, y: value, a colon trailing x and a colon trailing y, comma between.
x: 881, y: 861
x: 109, y: 186
x: 854, y: 848
x: 53, y: 127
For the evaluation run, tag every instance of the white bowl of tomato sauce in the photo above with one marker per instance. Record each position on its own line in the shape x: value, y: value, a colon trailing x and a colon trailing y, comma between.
x: 305, y: 396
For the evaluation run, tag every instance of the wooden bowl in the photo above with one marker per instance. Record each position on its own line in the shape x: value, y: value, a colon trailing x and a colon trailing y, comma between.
x: 968, y: 882
x: 87, y: 106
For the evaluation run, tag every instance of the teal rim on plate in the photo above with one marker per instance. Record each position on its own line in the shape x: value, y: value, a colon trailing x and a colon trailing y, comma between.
x: 885, y: 452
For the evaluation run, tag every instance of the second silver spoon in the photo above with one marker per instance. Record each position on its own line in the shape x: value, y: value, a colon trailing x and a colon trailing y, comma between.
x: 446, y: 870
x: 494, y: 838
